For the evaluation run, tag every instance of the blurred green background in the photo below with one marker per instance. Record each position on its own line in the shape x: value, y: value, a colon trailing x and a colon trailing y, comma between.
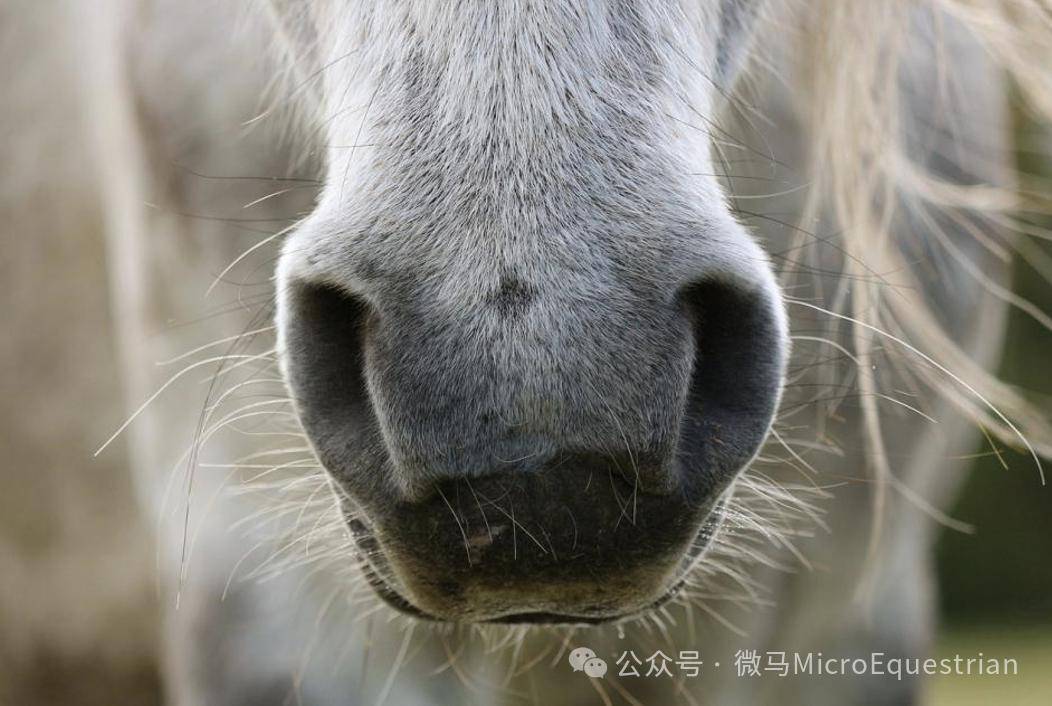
x: 996, y: 584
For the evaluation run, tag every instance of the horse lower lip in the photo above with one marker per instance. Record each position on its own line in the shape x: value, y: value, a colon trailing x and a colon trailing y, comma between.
x: 400, y: 603
x: 375, y: 568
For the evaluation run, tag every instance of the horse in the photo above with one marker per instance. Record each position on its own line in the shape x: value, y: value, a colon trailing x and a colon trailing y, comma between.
x: 518, y: 351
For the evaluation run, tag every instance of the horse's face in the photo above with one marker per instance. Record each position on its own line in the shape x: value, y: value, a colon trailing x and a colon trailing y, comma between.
x: 523, y: 332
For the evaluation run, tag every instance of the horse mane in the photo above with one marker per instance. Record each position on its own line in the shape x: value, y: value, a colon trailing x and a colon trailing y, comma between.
x: 847, y: 60
x: 861, y: 159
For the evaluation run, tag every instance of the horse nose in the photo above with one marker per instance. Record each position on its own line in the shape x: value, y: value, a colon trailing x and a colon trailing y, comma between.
x: 546, y: 465
x: 671, y: 394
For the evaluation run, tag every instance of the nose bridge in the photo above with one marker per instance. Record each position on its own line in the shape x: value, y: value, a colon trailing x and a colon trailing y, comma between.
x: 479, y: 120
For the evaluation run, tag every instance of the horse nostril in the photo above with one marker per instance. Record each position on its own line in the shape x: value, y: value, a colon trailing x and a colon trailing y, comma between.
x: 740, y: 351
x: 322, y: 331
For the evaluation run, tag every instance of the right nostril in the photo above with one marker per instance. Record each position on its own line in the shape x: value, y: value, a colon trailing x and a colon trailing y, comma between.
x: 323, y: 329
x: 740, y: 351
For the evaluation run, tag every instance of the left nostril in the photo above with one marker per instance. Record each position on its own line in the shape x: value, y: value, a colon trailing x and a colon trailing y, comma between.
x: 736, y: 383
x: 322, y: 329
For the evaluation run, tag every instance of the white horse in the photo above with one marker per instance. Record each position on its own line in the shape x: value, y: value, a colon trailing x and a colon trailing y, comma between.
x: 457, y: 339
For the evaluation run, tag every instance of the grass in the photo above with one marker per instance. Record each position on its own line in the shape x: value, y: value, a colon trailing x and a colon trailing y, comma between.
x: 1031, y: 646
